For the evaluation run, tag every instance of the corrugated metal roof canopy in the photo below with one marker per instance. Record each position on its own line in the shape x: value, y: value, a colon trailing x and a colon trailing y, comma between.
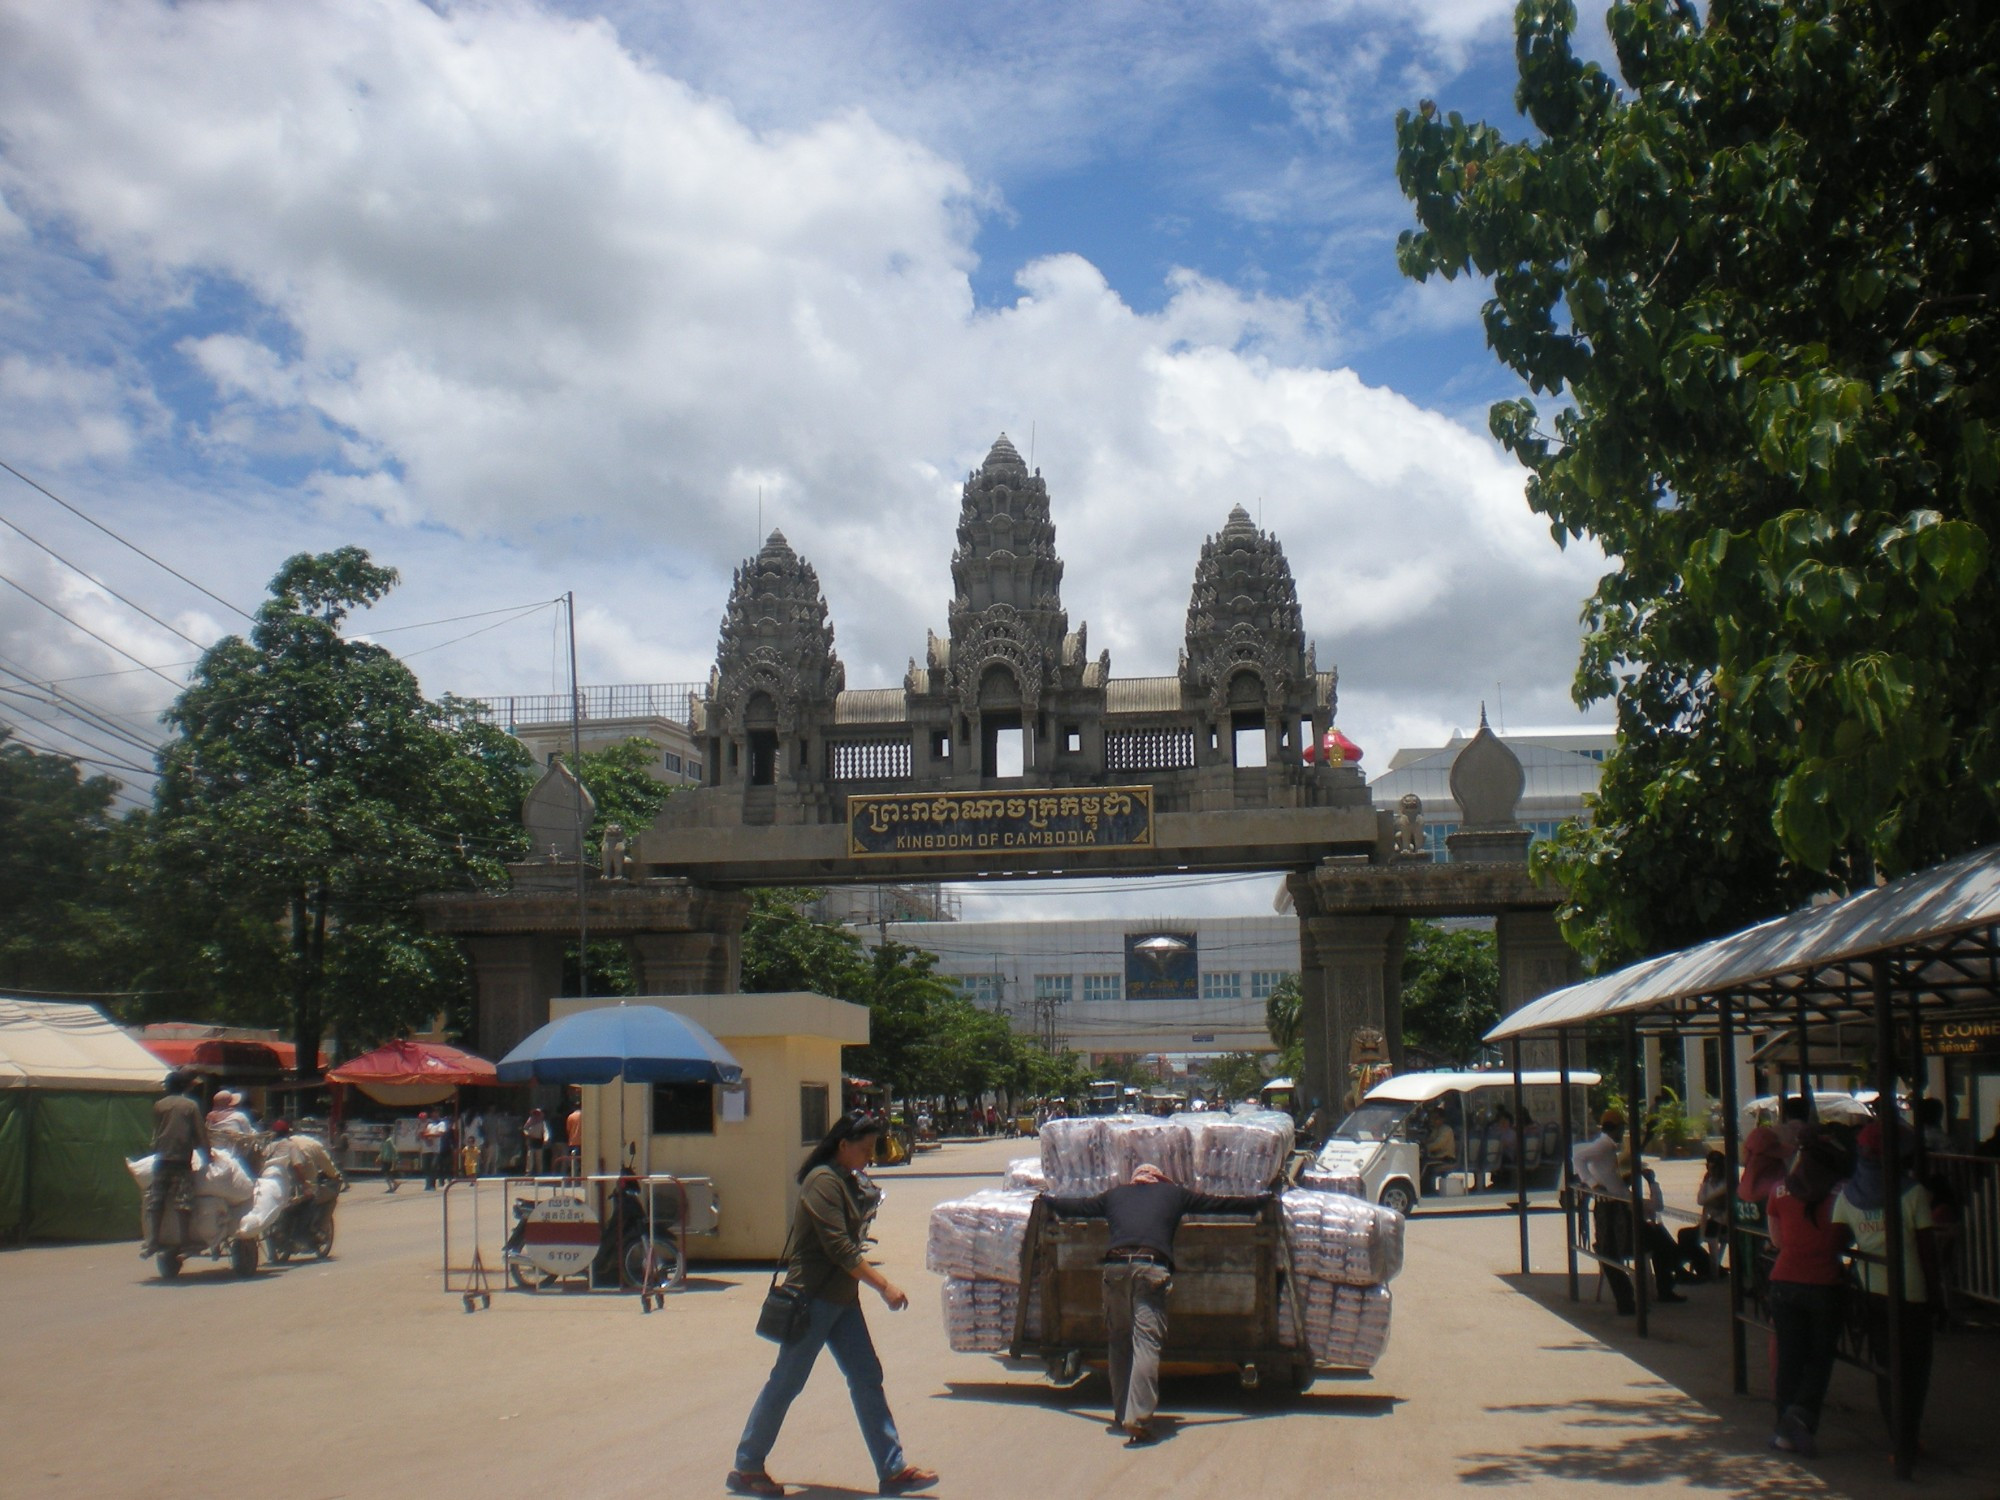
x: 1938, y: 925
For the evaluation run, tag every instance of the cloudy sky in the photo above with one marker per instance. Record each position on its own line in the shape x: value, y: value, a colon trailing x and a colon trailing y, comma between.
x: 527, y: 298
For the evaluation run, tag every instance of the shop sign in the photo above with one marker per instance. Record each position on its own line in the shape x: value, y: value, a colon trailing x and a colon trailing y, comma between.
x: 1978, y: 1037
x: 906, y: 825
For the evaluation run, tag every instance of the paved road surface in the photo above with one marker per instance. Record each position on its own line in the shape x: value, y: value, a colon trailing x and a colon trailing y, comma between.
x: 360, y: 1377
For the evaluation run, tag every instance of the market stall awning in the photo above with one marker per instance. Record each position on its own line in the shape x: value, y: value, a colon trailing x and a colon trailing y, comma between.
x: 406, y: 1072
x: 225, y: 1055
x: 1938, y: 922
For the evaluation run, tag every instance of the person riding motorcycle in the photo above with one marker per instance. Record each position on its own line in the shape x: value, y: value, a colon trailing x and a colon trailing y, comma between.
x: 319, y: 1181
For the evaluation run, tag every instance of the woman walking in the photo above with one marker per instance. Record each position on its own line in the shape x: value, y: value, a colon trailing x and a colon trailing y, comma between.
x: 824, y: 1258
x: 1804, y: 1292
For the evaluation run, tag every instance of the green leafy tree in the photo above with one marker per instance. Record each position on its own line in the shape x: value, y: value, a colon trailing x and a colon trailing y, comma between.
x: 1239, y: 1075
x: 1451, y: 991
x: 785, y: 949
x: 1755, y: 286
x: 67, y: 917
x: 310, y: 795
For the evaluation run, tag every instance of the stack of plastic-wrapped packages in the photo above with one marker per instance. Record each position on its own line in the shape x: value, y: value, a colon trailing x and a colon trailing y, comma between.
x: 1024, y: 1175
x: 975, y: 1244
x: 1344, y: 1252
x: 1076, y: 1157
x: 1240, y: 1154
x: 1136, y: 1141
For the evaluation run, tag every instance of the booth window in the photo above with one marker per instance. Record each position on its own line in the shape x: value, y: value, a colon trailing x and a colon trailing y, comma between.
x: 813, y: 1118
x: 683, y: 1109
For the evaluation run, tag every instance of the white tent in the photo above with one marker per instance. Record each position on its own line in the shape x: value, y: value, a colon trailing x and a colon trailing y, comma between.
x: 47, y: 1045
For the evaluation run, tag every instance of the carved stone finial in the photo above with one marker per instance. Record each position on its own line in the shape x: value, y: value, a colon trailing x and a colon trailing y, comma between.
x: 551, y: 816
x: 1487, y: 781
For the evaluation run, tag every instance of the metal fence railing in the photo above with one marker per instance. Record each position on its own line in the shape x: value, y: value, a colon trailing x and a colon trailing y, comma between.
x: 1971, y: 1249
x: 624, y: 700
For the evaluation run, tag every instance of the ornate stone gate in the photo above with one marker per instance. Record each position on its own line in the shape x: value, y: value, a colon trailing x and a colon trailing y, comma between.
x: 1216, y: 767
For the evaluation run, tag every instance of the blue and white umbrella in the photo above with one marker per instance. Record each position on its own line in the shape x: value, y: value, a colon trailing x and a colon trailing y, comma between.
x: 638, y: 1043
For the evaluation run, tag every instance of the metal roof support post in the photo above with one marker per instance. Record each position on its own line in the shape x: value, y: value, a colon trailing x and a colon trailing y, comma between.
x: 1739, y: 1348
x: 1563, y: 1174
x: 1520, y: 1157
x: 1806, y: 1089
x: 1919, y: 1077
x: 1634, y: 1123
x: 1892, y: 1211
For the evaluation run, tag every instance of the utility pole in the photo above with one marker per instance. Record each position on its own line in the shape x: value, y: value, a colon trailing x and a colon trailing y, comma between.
x: 582, y: 830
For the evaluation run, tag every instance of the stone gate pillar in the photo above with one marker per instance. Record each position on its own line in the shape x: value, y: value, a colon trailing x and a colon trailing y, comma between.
x: 514, y: 975
x: 1344, y: 968
x: 1533, y: 960
x: 686, y: 963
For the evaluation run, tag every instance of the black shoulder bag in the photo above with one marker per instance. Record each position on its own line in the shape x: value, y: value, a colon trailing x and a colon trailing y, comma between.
x: 787, y: 1309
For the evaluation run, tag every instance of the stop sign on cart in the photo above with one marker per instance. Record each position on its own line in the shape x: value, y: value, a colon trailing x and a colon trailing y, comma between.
x: 560, y: 1236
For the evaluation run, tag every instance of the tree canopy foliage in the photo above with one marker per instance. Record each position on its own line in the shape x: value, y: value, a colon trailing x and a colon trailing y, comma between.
x: 926, y: 1039
x: 310, y: 795
x: 1756, y: 288
x: 66, y: 906
x: 1451, y: 991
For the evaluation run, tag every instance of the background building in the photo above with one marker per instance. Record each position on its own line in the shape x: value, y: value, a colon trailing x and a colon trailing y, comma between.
x: 1115, y: 985
x: 657, y: 711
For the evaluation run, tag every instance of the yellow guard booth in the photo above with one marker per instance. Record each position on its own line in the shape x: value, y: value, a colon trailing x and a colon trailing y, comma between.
x: 748, y: 1140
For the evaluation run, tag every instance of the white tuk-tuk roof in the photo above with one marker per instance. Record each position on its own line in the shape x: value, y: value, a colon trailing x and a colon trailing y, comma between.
x: 1421, y: 1088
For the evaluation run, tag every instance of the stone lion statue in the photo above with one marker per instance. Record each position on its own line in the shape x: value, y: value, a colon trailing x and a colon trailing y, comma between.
x: 616, y: 853
x: 1410, y: 824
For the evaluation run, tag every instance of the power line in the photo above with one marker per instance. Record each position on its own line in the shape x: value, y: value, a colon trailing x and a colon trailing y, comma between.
x: 89, y: 760
x: 130, y: 604
x: 88, y: 712
x: 123, y: 542
x: 79, y: 625
x: 439, y: 646
x: 81, y: 735
x: 479, y: 614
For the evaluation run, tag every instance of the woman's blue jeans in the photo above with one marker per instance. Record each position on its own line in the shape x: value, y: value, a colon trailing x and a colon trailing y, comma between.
x: 842, y: 1329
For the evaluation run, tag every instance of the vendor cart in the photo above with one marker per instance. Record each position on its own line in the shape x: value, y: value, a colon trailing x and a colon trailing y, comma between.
x: 1222, y: 1310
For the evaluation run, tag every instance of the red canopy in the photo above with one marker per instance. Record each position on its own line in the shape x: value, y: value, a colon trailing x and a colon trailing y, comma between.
x: 406, y: 1063
x: 223, y: 1053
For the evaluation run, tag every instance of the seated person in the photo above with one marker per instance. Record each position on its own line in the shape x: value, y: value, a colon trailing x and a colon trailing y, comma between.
x: 1440, y: 1145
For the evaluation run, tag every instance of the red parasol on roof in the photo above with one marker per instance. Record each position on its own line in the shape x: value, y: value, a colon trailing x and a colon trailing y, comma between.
x: 406, y: 1072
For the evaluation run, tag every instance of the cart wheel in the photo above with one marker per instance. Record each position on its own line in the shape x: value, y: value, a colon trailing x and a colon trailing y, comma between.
x: 243, y: 1257
x: 323, y: 1241
x: 169, y: 1264
x: 1249, y: 1377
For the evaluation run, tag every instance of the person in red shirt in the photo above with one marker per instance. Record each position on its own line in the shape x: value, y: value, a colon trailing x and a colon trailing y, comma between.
x: 1803, y: 1295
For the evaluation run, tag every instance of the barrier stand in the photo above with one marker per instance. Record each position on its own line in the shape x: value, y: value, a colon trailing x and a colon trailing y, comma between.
x: 658, y: 1274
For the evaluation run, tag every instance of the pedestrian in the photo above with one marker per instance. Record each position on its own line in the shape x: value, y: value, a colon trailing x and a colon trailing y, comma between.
x: 1138, y: 1270
x: 178, y: 1132
x: 430, y: 1136
x: 1595, y: 1164
x: 475, y: 1144
x: 573, y: 1136
x: 385, y: 1157
x: 1803, y: 1296
x: 824, y: 1258
x: 1862, y: 1208
x: 535, y: 1141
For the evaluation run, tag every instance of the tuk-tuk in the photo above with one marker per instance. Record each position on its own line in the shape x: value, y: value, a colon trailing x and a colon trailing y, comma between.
x: 1451, y: 1133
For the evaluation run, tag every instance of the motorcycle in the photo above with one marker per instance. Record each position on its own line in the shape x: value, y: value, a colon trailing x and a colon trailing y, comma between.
x: 562, y: 1236
x: 305, y: 1227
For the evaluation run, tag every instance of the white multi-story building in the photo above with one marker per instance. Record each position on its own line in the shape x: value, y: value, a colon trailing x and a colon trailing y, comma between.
x: 1115, y: 985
